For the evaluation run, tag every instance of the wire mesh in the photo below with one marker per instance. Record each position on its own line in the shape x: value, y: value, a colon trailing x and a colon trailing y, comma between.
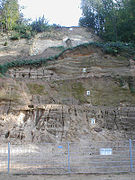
x: 63, y: 158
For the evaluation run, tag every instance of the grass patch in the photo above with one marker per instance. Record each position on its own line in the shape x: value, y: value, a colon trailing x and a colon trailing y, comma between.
x: 72, y: 90
x: 111, y: 94
x: 104, y: 92
x: 78, y: 92
x: 36, y: 89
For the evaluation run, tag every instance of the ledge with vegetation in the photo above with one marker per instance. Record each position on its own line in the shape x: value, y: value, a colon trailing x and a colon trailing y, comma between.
x: 113, y: 48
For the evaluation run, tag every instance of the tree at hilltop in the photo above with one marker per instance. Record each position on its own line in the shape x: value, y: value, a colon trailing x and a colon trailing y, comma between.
x: 9, y: 14
x: 40, y: 24
x: 112, y: 20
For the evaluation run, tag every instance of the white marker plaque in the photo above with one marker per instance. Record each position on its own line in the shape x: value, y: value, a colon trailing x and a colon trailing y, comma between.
x: 84, y: 70
x: 106, y: 151
x: 88, y: 93
x: 93, y: 121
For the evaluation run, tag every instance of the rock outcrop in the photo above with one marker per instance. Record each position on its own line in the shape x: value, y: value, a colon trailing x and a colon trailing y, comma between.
x: 50, y: 103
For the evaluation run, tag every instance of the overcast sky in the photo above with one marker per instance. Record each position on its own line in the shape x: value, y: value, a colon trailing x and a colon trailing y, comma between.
x: 63, y: 12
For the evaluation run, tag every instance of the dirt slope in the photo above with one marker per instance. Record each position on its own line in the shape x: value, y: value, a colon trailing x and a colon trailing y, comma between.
x: 40, y: 45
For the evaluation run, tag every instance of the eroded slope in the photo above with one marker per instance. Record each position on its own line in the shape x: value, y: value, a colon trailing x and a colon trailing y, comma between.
x: 49, y: 102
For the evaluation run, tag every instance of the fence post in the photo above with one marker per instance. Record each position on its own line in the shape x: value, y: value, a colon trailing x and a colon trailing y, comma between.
x: 68, y: 157
x: 8, y: 157
x: 130, y: 151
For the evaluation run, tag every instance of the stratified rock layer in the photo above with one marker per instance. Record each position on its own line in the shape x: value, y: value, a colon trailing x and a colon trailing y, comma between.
x: 51, y: 103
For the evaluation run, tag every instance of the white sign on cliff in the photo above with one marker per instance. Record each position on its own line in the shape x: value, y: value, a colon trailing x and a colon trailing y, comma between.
x: 84, y: 70
x: 106, y: 151
x: 93, y: 121
x: 88, y: 93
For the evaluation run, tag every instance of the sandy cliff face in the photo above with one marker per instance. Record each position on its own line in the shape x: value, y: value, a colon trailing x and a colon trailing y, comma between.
x: 83, y: 95
x: 41, y: 42
x: 66, y: 123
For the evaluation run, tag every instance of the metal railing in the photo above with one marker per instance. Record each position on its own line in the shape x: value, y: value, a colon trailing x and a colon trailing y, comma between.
x: 64, y: 158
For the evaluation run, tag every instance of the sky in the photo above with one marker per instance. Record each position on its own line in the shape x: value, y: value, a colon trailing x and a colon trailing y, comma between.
x: 62, y: 12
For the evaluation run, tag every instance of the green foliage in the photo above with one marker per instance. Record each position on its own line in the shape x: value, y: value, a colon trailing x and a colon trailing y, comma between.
x: 111, y: 20
x: 19, y: 63
x: 5, y: 43
x: 78, y: 92
x: 114, y: 48
x: 40, y: 25
x: 36, y: 88
x: 127, y: 49
x: 23, y: 31
x: 27, y: 35
x: 119, y: 47
x: 56, y: 26
x: 9, y: 15
x: 15, y: 36
x: 61, y: 48
x: 12, y: 19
